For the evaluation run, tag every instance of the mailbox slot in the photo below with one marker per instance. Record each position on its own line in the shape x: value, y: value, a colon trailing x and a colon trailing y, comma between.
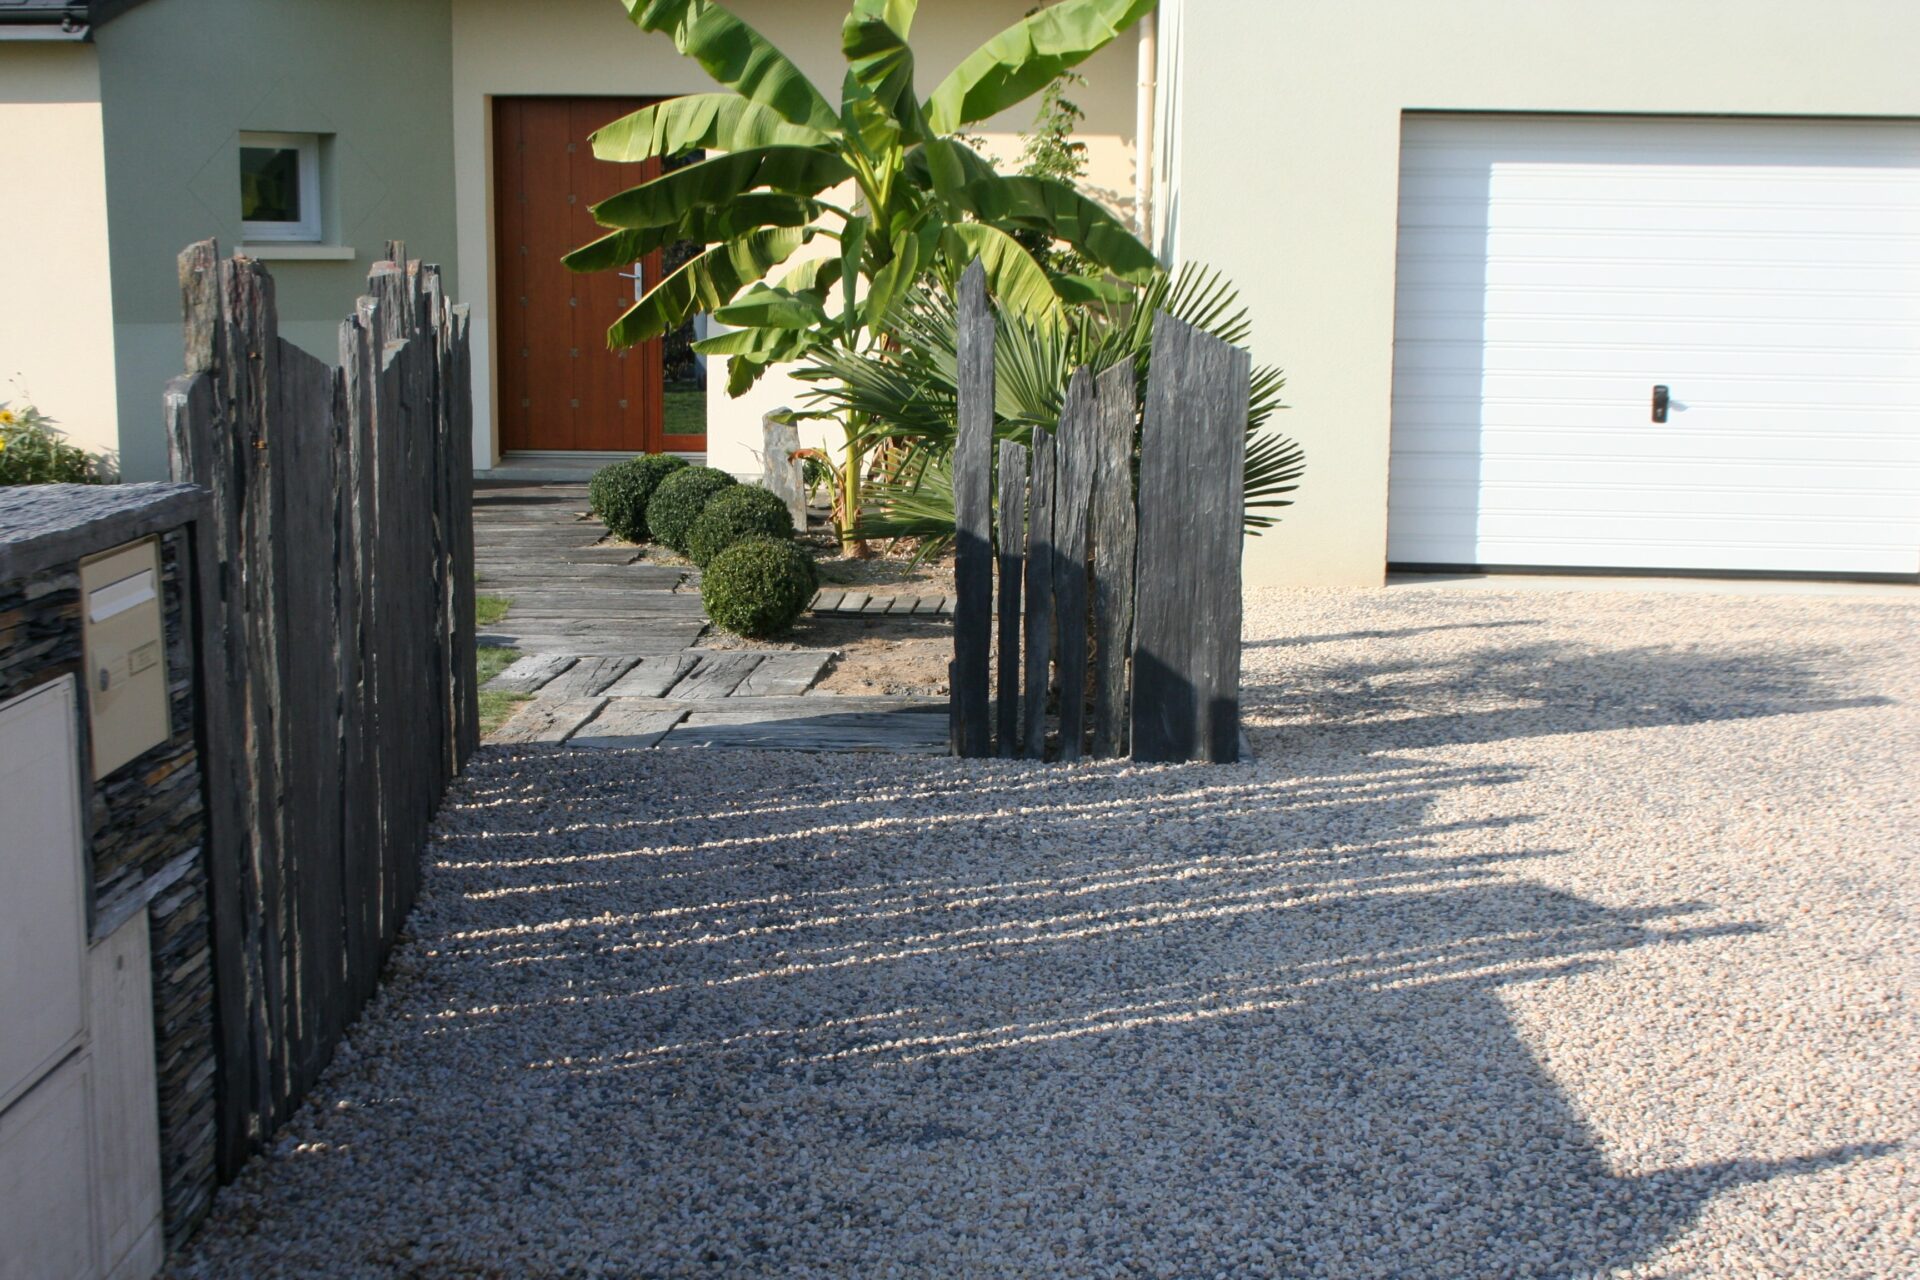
x: 126, y: 654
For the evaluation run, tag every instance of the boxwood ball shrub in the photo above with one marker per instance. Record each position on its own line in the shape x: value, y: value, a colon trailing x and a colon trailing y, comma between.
x: 734, y: 515
x: 680, y: 499
x: 620, y: 492
x: 759, y: 586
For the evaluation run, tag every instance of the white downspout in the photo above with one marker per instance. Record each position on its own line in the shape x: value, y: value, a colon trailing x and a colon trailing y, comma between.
x: 1143, y: 117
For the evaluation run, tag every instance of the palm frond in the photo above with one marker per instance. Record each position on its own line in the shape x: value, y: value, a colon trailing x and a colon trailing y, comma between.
x: 906, y: 391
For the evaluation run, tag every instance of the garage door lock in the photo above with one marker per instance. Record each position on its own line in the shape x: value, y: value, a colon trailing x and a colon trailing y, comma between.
x: 1659, y: 404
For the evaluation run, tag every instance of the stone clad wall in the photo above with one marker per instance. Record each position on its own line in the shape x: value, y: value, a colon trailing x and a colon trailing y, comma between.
x: 145, y: 823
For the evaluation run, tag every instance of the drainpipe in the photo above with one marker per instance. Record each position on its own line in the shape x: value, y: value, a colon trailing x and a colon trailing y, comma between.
x: 1143, y: 128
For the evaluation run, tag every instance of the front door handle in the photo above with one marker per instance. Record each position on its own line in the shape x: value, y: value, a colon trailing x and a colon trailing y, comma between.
x: 1660, y: 404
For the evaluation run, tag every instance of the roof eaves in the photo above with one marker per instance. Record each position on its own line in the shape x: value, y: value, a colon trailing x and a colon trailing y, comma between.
x: 64, y: 20
x: 44, y: 20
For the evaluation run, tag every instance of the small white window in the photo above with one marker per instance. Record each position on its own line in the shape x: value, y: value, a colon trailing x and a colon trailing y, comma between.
x: 280, y: 186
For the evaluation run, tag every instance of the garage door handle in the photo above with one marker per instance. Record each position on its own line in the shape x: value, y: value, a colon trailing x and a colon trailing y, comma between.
x: 1659, y: 404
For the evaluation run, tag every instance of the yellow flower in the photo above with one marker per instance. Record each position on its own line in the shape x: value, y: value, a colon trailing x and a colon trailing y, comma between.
x: 7, y: 418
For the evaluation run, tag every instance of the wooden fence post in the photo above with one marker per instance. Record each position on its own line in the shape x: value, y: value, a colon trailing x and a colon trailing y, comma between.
x: 1186, y: 653
x: 973, y: 521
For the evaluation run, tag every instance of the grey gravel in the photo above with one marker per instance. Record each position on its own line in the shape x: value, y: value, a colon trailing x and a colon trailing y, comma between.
x: 1550, y: 934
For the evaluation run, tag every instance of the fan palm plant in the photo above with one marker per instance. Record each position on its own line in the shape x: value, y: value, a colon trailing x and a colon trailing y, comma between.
x: 923, y: 202
x: 909, y: 391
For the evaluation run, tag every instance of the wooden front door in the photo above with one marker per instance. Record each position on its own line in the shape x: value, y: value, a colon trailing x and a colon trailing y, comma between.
x: 560, y: 388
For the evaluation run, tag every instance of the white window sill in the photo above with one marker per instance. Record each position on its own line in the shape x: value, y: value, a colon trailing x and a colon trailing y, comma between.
x: 292, y: 252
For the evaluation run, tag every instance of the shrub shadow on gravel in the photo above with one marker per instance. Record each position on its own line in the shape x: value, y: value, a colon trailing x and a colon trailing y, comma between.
x: 723, y: 1013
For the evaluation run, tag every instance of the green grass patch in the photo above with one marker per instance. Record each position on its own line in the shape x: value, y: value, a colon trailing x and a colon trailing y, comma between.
x: 686, y: 413
x: 488, y: 610
x: 496, y: 707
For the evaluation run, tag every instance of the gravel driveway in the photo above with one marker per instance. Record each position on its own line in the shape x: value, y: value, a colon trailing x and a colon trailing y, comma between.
x: 1551, y: 934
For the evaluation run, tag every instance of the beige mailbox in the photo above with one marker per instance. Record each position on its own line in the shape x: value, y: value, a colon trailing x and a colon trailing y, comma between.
x: 126, y: 653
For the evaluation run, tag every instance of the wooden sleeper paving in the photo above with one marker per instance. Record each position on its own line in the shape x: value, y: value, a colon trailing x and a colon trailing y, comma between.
x: 589, y: 676
x: 531, y: 673
x: 549, y: 720
x: 859, y: 604
x: 627, y: 724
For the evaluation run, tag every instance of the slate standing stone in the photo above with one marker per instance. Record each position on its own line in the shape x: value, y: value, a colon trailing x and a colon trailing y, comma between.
x: 1115, y: 536
x: 1073, y: 496
x: 1038, y: 658
x: 783, y: 474
x: 1186, y: 654
x: 971, y: 725
x: 1011, y: 531
x: 336, y: 641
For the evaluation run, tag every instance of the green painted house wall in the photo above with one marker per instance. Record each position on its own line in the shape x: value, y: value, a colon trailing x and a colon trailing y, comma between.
x: 180, y: 79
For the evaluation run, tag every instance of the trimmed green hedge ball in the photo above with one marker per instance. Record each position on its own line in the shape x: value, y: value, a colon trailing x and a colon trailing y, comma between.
x: 734, y: 515
x: 620, y: 492
x: 758, y: 587
x: 680, y: 499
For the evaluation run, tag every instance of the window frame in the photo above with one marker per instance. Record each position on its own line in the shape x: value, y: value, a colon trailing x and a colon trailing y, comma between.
x: 310, y: 228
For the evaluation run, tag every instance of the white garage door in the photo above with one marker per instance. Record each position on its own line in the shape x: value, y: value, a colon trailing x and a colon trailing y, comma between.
x: 1554, y: 272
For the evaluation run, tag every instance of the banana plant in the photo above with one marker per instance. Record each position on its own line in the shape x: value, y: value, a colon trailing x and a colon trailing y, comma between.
x: 779, y: 159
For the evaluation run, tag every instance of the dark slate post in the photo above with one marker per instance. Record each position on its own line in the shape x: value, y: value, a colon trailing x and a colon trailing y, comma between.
x: 1012, y: 551
x: 1073, y: 494
x: 1186, y: 656
x: 1114, y: 540
x: 973, y: 521
x: 1039, y: 617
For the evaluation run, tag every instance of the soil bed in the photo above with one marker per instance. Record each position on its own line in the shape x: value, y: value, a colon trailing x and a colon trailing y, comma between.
x: 881, y: 655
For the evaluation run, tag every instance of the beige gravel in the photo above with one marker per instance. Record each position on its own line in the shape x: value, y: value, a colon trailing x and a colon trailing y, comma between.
x: 1551, y: 934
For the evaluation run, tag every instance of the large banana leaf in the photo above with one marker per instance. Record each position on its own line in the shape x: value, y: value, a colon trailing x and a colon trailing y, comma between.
x: 737, y: 56
x: 750, y: 212
x: 1018, y: 282
x: 880, y: 62
x: 1028, y: 56
x: 965, y: 180
x: 766, y: 307
x: 698, y: 121
x: 706, y: 283
x: 663, y: 202
x: 1055, y: 208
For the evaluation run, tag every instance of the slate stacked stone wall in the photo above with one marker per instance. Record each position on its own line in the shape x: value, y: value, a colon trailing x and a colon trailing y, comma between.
x: 145, y: 827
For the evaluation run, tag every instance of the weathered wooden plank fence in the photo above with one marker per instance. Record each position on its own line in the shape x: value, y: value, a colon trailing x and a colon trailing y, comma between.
x: 1129, y: 639
x: 337, y: 626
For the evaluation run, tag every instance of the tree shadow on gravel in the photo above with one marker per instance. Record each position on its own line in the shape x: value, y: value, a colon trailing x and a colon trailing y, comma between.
x: 826, y: 1017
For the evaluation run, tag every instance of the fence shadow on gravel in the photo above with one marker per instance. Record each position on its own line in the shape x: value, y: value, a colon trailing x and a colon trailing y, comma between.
x: 1158, y: 1009
x: 1496, y: 693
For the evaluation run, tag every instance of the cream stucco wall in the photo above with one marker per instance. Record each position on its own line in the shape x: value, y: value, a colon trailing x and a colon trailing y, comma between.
x: 587, y: 47
x: 1284, y: 158
x: 56, y: 327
